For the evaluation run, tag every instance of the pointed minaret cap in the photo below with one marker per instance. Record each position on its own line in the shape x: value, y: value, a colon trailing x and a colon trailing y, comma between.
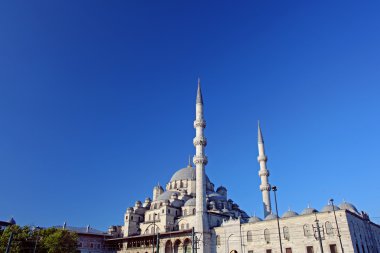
x: 199, y: 93
x: 189, y: 164
x: 260, y: 138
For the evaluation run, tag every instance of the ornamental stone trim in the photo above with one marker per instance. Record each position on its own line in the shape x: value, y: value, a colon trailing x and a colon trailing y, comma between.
x: 200, y: 160
x: 265, y: 187
x: 199, y: 123
x: 200, y: 140
x: 262, y: 158
x: 264, y: 173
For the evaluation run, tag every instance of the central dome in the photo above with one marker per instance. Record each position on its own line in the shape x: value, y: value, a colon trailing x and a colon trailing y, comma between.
x: 187, y: 173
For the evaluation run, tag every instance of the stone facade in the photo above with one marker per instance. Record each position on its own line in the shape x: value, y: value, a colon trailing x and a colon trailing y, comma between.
x: 189, y: 215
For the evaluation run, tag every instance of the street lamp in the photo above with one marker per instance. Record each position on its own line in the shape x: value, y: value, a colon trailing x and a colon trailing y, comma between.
x: 274, y: 189
x: 337, y: 227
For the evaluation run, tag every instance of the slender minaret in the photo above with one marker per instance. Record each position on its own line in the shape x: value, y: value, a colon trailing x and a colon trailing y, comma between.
x: 263, y: 173
x: 200, y: 161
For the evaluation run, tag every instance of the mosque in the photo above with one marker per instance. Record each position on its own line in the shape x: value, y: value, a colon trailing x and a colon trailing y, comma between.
x: 189, y: 214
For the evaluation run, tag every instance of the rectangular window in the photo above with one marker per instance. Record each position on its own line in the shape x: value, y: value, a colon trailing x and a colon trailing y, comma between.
x: 333, y: 248
x: 269, y: 251
x: 288, y: 250
x: 309, y: 249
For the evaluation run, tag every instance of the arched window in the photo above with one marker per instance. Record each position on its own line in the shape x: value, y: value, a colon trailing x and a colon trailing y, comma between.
x: 286, y: 233
x: 194, y: 211
x: 182, y: 226
x: 187, y: 226
x: 249, y: 236
x: 168, y: 247
x: 150, y: 217
x: 185, y: 212
x: 217, y: 240
x: 329, y: 228
x: 187, y: 246
x: 267, y: 235
x: 307, y: 230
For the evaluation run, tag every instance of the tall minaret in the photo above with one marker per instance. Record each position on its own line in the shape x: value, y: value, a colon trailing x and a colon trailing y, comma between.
x: 264, y: 174
x: 200, y: 161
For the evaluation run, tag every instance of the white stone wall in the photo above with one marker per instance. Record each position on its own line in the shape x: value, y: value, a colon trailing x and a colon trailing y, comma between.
x: 233, y: 236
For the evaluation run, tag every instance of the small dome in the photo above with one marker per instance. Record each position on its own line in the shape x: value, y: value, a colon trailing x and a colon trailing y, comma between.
x: 221, y: 188
x: 12, y: 221
x: 329, y: 208
x: 166, y: 195
x: 348, y: 206
x: 254, y: 219
x: 309, y: 210
x: 271, y: 217
x: 190, y: 202
x: 289, y: 214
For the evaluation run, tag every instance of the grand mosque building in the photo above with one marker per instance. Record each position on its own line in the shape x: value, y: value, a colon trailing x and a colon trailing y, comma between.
x: 191, y: 214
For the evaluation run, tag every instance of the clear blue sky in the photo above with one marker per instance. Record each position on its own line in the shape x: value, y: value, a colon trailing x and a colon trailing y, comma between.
x: 97, y: 103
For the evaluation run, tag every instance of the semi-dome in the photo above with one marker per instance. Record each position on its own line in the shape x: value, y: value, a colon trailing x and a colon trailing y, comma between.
x: 309, y: 210
x: 271, y: 217
x: 166, y: 195
x: 329, y: 208
x: 348, y: 206
x: 254, y: 219
x: 289, y: 214
x: 190, y: 202
x: 187, y: 173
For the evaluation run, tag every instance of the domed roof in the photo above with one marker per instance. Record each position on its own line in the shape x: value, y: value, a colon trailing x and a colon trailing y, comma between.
x: 329, y: 208
x: 289, y: 214
x: 166, y: 195
x: 215, y: 196
x: 176, y: 203
x: 271, y: 217
x: 254, y: 219
x: 348, y: 206
x: 309, y: 210
x: 190, y: 202
x: 187, y: 173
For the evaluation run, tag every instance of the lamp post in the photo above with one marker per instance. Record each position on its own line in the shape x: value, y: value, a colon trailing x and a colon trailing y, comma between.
x: 319, y: 232
x: 274, y: 189
x: 38, y: 232
x: 337, y: 227
x: 228, y: 244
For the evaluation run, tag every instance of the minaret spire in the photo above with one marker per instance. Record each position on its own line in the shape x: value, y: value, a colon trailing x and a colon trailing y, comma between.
x: 200, y: 161
x: 263, y: 173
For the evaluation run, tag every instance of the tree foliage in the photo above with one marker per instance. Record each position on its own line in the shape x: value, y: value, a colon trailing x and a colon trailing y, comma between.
x: 50, y: 240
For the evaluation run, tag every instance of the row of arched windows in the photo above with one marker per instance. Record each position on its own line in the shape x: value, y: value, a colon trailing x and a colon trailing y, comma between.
x: 185, y: 212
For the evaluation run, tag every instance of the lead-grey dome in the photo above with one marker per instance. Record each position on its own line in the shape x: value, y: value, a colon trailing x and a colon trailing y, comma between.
x: 329, y: 208
x: 187, y: 173
x: 309, y: 210
x: 254, y: 219
x: 190, y: 202
x: 271, y: 217
x: 166, y: 195
x: 348, y: 206
x: 289, y: 214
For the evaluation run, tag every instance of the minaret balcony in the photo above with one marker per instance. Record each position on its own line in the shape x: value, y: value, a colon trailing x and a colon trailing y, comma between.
x: 265, y: 187
x: 199, y: 140
x: 200, y: 160
x: 264, y: 173
x: 262, y: 158
x: 199, y: 123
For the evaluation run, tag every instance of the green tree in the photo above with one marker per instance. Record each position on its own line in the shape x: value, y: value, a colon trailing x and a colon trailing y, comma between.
x: 51, y: 240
